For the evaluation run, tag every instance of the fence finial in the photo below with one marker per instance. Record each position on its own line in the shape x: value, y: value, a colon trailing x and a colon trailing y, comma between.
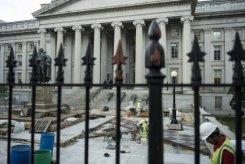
x: 119, y: 59
x: 11, y: 64
x: 154, y: 57
x: 237, y: 55
x: 60, y: 61
x: 196, y: 56
x: 34, y: 63
x: 88, y: 60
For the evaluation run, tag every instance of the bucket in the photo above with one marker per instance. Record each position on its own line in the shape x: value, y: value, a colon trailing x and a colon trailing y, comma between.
x: 42, y: 156
x: 20, y: 154
x: 47, y: 141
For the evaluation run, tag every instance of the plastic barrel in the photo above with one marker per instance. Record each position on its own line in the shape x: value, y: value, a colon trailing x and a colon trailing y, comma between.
x: 20, y: 154
x: 47, y: 141
x: 42, y: 156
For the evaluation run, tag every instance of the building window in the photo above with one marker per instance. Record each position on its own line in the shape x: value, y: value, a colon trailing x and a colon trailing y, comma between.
x: 174, y: 50
x: 218, y: 102
x: 19, y: 47
x: 31, y: 46
x: 175, y: 32
x: 217, y: 34
x: 19, y: 60
x: 8, y: 47
x: 217, y: 76
x: 19, y: 77
x: 198, y: 34
x: 217, y: 52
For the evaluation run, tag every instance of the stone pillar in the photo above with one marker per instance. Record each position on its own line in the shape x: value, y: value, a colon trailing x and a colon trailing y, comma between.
x: 97, y: 66
x: 117, y: 36
x: 2, y: 63
x: 162, y: 24
x: 104, y: 60
x: 25, y: 63
x: 186, y: 40
x: 42, y: 32
x: 139, y: 56
x: 208, y: 57
x: 52, y: 54
x: 60, y: 35
x: 229, y: 37
x: 163, y: 21
x: 77, y: 54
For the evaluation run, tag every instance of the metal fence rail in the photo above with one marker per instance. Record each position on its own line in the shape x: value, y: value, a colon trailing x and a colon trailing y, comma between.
x: 154, y: 61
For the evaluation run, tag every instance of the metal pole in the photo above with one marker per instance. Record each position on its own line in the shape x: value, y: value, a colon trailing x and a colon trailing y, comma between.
x: 174, y: 120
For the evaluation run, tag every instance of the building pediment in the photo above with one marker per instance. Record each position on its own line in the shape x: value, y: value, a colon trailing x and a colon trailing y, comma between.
x: 57, y: 7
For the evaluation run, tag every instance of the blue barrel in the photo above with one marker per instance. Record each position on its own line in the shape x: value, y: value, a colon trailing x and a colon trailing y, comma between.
x: 47, y: 141
x: 20, y: 154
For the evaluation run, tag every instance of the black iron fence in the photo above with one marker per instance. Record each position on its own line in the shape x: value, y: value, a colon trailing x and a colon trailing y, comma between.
x: 154, y: 61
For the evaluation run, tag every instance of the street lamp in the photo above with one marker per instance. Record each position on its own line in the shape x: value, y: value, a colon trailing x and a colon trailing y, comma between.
x: 174, y: 120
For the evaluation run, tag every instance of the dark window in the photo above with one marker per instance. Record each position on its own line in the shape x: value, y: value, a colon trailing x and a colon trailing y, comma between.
x: 174, y: 50
x: 175, y: 32
x: 217, y: 76
x: 217, y: 52
x: 218, y: 102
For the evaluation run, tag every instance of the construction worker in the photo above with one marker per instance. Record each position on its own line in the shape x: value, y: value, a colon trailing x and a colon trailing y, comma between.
x: 223, y: 149
x: 139, y: 107
x: 143, y: 126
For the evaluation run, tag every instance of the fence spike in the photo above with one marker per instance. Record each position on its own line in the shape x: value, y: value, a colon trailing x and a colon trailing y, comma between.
x: 119, y: 59
x: 34, y: 63
x: 11, y: 64
x: 60, y: 61
x: 237, y: 54
x: 154, y: 58
x: 196, y: 56
x: 88, y: 60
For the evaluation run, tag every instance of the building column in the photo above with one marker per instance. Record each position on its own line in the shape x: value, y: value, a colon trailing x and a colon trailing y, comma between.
x: 24, y: 62
x: 117, y: 36
x: 52, y: 54
x: 229, y: 37
x: 163, y: 21
x: 186, y: 42
x: 104, y: 60
x: 97, y: 66
x: 60, y: 35
x: 208, y: 57
x: 139, y: 57
x: 162, y: 25
x: 2, y: 63
x: 77, y: 54
x: 42, y: 32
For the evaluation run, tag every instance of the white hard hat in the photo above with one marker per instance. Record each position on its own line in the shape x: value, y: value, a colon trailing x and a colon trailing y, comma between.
x: 206, y: 129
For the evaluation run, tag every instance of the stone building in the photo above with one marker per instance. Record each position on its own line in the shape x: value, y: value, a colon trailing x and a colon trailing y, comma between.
x: 103, y: 23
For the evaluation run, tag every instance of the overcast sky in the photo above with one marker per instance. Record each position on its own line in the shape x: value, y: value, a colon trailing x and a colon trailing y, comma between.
x: 15, y: 10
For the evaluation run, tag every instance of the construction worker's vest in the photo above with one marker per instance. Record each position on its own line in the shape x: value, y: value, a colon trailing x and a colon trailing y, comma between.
x: 143, y: 131
x: 139, y: 105
x: 216, y: 157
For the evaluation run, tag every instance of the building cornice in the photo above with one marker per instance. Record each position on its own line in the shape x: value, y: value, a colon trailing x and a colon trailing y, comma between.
x: 19, y: 26
x: 43, y: 12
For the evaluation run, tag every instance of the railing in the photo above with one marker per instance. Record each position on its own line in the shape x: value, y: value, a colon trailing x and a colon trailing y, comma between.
x: 154, y: 61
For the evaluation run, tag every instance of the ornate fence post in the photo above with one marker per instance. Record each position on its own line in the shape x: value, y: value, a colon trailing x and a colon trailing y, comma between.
x: 154, y: 61
x: 196, y: 56
x: 88, y: 60
x: 237, y: 55
x: 11, y: 64
x: 118, y: 59
x: 34, y: 63
x: 60, y: 61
